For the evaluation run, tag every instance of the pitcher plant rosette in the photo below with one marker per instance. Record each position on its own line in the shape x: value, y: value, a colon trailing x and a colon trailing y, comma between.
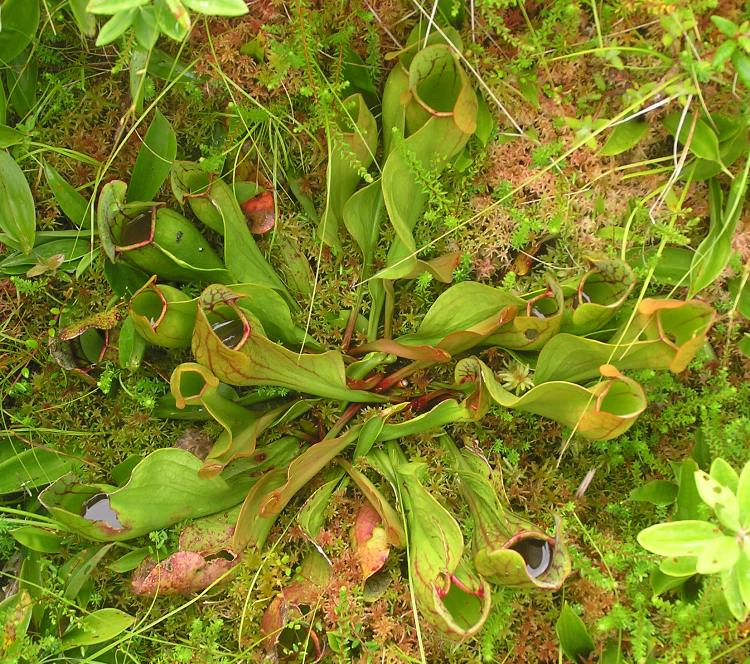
x: 290, y: 411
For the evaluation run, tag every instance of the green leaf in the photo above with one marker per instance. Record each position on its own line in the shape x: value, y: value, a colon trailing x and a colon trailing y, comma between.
x: 680, y: 567
x: 679, y: 538
x: 741, y: 64
x: 722, y: 54
x: 113, y: 6
x: 154, y: 160
x: 248, y: 357
x: 730, y: 584
x: 17, y: 212
x: 601, y: 412
x: 23, y: 468
x: 449, y: 593
x: 719, y: 498
x: 85, y: 20
x: 440, y: 114
x: 718, y: 556
x: 218, y: 7
x: 22, y: 83
x: 137, y: 74
x: 97, y: 627
x: 624, y: 136
x: 742, y: 572
x: 574, y: 638
x: 390, y: 517
x: 656, y: 492
x: 116, y: 26
x: 503, y: 540
x: 74, y: 206
x: 193, y: 384
x: 10, y: 137
x: 173, y: 18
x: 714, y: 252
x: 303, y: 469
x: 353, y: 140
x: 743, y: 496
x: 243, y: 258
x: 671, y: 265
x: 163, y: 315
x: 312, y: 515
x: 662, y: 583
x: 353, y: 69
x: 252, y: 526
x: 704, y: 142
x: 145, y: 27
x: 3, y: 104
x: 129, y: 561
x: 688, y: 500
x: 38, y: 539
x: 742, y: 298
x: 131, y: 346
x: 362, y: 215
x: 724, y: 474
x: 20, y: 19
x: 111, y: 200
x: 743, y: 345
x: 58, y: 254
x: 725, y: 26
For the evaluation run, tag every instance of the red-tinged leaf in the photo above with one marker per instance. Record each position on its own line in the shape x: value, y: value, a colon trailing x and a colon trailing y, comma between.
x: 260, y: 212
x: 370, y: 540
x: 181, y: 573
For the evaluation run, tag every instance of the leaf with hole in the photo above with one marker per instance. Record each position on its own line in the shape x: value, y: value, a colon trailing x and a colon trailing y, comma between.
x: 164, y: 488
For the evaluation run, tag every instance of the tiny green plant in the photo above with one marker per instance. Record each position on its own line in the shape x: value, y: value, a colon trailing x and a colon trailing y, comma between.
x: 718, y: 546
x: 150, y: 18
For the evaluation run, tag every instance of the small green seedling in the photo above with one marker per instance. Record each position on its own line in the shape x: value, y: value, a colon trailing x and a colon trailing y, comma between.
x: 695, y: 546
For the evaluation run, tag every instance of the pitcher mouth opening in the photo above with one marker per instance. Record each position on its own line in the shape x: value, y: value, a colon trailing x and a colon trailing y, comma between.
x: 137, y: 231
x: 231, y: 328
x: 543, y: 306
x: 537, y: 553
x: 227, y: 321
x: 150, y: 303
